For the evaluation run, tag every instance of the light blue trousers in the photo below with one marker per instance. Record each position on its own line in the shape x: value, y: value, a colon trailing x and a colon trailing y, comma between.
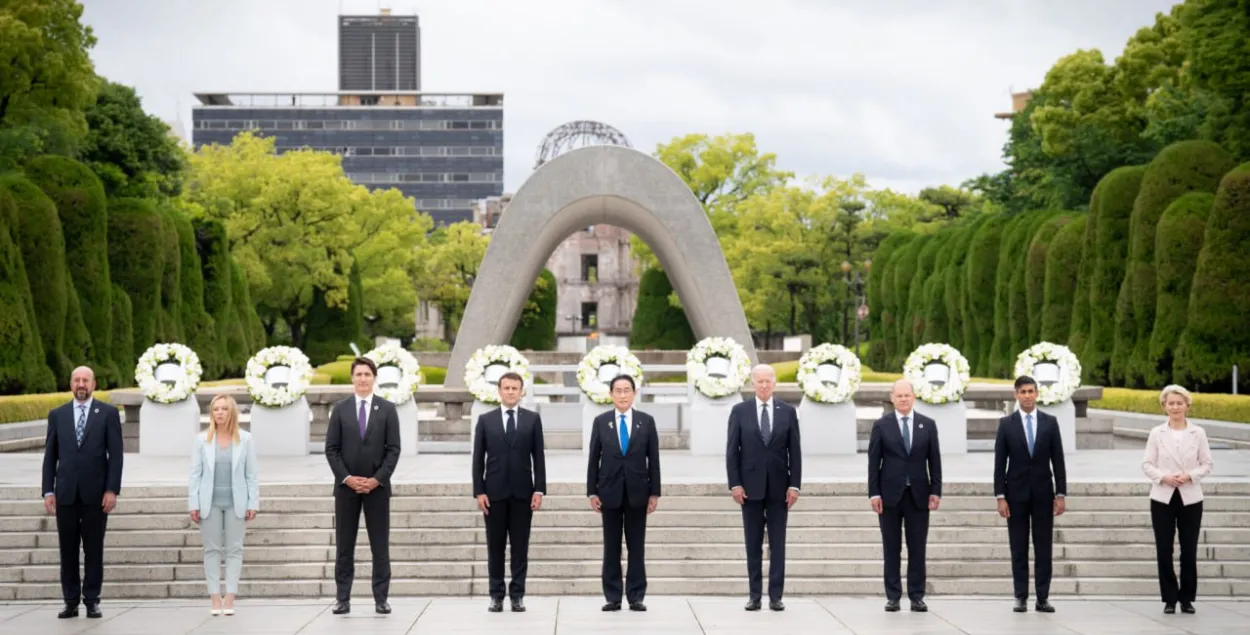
x: 222, y: 533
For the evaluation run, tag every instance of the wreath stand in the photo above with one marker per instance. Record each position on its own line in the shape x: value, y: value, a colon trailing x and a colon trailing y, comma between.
x: 952, y: 424
x: 1065, y: 412
x: 828, y: 428
x: 281, y: 431
x: 169, y: 429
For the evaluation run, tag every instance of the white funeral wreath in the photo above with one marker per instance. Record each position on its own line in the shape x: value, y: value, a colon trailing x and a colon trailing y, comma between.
x: 392, y: 355
x: 957, y: 377
x: 483, y: 388
x: 172, y: 385
x: 588, y: 371
x: 813, y: 379
x: 1051, y: 391
x: 716, y: 386
x: 298, y: 375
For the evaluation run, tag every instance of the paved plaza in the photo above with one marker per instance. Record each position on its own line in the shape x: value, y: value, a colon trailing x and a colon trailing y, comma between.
x: 666, y: 616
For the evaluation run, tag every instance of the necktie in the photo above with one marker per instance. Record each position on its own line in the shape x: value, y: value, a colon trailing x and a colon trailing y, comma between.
x: 81, y: 426
x: 1028, y: 431
x: 510, y: 430
x: 623, y: 429
x: 766, y: 428
x: 906, y: 436
x: 362, y: 419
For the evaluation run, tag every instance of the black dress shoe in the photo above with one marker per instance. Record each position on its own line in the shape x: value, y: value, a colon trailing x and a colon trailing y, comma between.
x: 1022, y: 606
x: 753, y: 604
x: 71, y: 610
x: 1187, y: 607
x: 776, y: 605
x: 637, y: 606
x: 341, y: 608
x: 93, y: 610
x: 383, y: 608
x: 518, y: 605
x: 1043, y: 606
x: 496, y: 605
x: 891, y: 606
x: 918, y: 606
x: 612, y: 606
x: 1169, y: 608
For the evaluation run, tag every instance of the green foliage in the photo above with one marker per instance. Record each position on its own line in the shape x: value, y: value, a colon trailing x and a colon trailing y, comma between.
x: 1035, y: 269
x: 1009, y: 256
x: 904, y: 267
x: 1087, y: 256
x: 131, y: 150
x: 1188, y: 166
x: 35, y: 407
x: 122, y: 345
x: 331, y: 331
x: 78, y: 347
x: 169, y: 320
x: 22, y: 364
x: 933, y: 290
x: 1111, y: 209
x: 1217, y: 407
x: 83, y: 211
x: 1018, y: 294
x: 213, y: 249
x: 250, y: 327
x: 1177, y: 248
x: 137, y: 259
x: 536, y: 330
x: 428, y: 345
x: 980, y: 299
x: 882, y: 313
x: 1063, y: 263
x: 1218, y: 56
x: 198, y: 326
x: 38, y: 235
x: 955, y: 283
x: 1215, y: 336
x: 658, y: 324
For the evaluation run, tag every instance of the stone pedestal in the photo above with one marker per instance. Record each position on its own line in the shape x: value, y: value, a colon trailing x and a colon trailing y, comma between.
x: 281, y: 431
x: 168, y: 429
x: 590, y: 410
x: 1065, y: 412
x: 709, y: 423
x: 828, y: 428
x: 952, y: 424
x: 409, y: 442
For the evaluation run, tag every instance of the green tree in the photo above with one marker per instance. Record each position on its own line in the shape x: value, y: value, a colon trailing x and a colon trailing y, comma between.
x: 1087, y: 256
x: 1111, y: 208
x: 955, y: 283
x: 122, y: 346
x: 657, y: 323
x: 904, y: 271
x: 199, y: 328
x: 448, y: 266
x: 23, y: 368
x: 137, y: 261
x: 881, y: 317
x: 132, y: 151
x: 332, y: 331
x: 1063, y: 264
x: 980, y: 299
x: 1035, y: 269
x: 1218, y: 60
x: 536, y: 330
x: 385, y: 249
x: 1178, y: 244
x: 169, y: 319
x: 212, y: 247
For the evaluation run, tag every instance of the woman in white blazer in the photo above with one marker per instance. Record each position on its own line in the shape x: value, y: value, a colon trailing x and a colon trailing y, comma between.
x: 223, y: 494
x: 1177, y: 458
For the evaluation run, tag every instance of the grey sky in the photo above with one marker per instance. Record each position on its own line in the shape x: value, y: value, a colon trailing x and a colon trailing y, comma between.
x: 903, y: 91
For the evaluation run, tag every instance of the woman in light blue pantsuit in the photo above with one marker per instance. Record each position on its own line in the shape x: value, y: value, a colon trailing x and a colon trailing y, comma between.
x: 224, y: 493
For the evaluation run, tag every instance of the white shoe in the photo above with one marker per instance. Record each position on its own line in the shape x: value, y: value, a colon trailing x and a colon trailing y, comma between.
x: 227, y: 612
x: 215, y: 612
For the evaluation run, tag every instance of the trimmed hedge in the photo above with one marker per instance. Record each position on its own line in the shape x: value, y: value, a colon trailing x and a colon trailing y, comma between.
x: 1035, y: 276
x: 979, y: 301
x: 1205, y: 406
x: 35, y: 407
x: 83, y: 210
x: 904, y: 270
x: 1215, y: 335
x: 956, y: 282
x: 241, y: 338
x: 1177, y: 247
x: 78, y: 347
x: 329, y: 331
x: 214, y: 252
x: 1111, y: 207
x: 1063, y: 263
x: 658, y: 324
x: 198, y: 326
x: 936, y: 319
x: 1187, y: 166
x: 1008, y: 254
x: 1078, y: 330
x: 169, y: 320
x: 883, y: 313
x: 137, y: 261
x: 37, y: 234
x: 916, y: 297
x: 22, y: 364
x: 536, y: 330
x: 1018, y: 297
x: 122, y: 346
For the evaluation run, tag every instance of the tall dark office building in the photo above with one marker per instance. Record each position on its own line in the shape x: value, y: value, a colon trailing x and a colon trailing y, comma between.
x: 379, y: 52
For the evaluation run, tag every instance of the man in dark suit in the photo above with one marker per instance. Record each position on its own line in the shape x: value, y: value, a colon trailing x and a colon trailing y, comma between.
x: 764, y: 461
x: 904, y: 485
x: 362, y: 446
x: 509, y: 478
x: 1023, y: 456
x: 82, y: 475
x: 623, y: 483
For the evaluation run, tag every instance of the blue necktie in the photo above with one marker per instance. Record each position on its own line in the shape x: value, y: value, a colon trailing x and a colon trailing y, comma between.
x: 907, y: 447
x: 81, y: 426
x: 624, y: 435
x: 1028, y: 431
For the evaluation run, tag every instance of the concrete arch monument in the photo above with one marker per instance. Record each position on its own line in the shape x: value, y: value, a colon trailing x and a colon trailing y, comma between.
x: 608, y: 185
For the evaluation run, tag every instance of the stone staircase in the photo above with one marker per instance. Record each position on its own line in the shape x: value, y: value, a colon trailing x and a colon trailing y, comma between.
x: 1104, y: 544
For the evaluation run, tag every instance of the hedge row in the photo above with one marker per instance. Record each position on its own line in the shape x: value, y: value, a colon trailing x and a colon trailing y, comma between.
x: 1205, y: 406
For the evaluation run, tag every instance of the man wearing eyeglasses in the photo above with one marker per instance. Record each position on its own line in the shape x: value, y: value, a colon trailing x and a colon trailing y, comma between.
x: 623, y: 484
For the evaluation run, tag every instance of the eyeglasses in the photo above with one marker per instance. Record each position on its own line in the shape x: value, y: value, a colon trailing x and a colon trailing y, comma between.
x: 622, y: 391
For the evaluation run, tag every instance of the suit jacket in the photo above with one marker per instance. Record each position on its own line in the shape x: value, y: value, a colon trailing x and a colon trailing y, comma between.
x: 1193, y: 457
x: 890, y: 465
x: 244, y: 481
x: 764, y: 471
x: 503, y: 470
x: 1020, y: 477
x: 629, y: 479
x: 374, y: 456
x: 88, y: 471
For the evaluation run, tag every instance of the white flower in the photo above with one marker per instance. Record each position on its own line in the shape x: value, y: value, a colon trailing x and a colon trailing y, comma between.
x: 588, y: 371
x: 956, y: 383
x: 475, y: 371
x: 848, y: 378
x: 409, y: 369
x: 264, y: 394
x: 1069, y: 371
x: 713, y: 386
x: 184, y: 385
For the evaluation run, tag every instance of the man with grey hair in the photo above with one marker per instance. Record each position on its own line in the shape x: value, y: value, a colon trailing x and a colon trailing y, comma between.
x: 904, y: 485
x: 764, y: 461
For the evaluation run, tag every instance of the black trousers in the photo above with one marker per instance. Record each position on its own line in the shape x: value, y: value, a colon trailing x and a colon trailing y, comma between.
x: 1169, y: 519
x: 634, y: 521
x: 508, y: 521
x: 915, y: 520
x: 78, y: 523
x: 377, y: 509
x: 756, y: 514
x: 1037, y: 514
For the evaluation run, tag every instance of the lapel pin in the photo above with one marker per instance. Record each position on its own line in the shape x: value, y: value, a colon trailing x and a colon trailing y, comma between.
x: 921, y: 426
x: 375, y: 407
